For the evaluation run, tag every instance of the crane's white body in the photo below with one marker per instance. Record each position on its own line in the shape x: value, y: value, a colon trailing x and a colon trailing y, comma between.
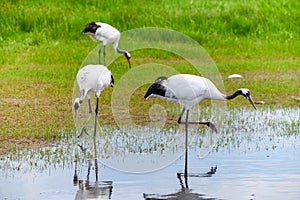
x: 93, y: 78
x: 188, y: 90
x: 106, y: 34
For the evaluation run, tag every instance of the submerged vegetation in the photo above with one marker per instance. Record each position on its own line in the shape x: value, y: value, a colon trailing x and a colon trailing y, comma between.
x: 42, y: 49
x: 242, y: 130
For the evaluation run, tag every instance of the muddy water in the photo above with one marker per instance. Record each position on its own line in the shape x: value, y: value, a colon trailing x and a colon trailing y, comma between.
x: 256, y: 155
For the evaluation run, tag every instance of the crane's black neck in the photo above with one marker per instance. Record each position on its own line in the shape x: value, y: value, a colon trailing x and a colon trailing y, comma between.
x: 235, y: 94
x: 126, y: 54
x: 112, y: 81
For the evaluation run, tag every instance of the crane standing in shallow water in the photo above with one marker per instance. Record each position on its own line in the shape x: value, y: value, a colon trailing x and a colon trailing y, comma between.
x: 188, y: 90
x: 92, y: 78
x: 106, y: 34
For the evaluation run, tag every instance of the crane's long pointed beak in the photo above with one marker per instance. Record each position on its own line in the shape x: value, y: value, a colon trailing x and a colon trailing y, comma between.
x: 129, y: 63
x: 251, y: 101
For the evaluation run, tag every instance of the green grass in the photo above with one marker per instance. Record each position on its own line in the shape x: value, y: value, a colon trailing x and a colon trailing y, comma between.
x: 42, y: 48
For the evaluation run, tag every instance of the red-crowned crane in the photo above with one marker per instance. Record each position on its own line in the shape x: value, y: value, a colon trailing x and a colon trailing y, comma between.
x: 92, y: 78
x: 188, y: 90
x: 106, y: 34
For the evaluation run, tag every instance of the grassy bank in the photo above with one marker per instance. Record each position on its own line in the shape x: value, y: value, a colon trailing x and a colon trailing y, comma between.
x: 42, y: 49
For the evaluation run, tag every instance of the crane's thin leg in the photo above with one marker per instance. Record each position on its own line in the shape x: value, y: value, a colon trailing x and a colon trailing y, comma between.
x: 87, y: 120
x: 88, y: 173
x: 179, y: 119
x: 185, y: 174
x: 96, y: 117
x: 99, y: 54
x: 96, y: 169
x: 186, y: 146
x: 95, y: 157
x: 104, y: 55
x: 209, y: 124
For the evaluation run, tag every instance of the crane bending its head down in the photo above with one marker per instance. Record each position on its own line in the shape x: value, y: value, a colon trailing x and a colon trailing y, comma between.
x: 92, y: 78
x: 106, y: 34
x: 188, y: 90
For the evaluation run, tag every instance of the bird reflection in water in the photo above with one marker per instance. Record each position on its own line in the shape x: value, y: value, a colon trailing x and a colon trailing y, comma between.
x: 91, y: 190
x: 185, y: 192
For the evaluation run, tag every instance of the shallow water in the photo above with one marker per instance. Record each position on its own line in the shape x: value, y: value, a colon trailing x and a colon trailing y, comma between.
x: 256, y: 155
